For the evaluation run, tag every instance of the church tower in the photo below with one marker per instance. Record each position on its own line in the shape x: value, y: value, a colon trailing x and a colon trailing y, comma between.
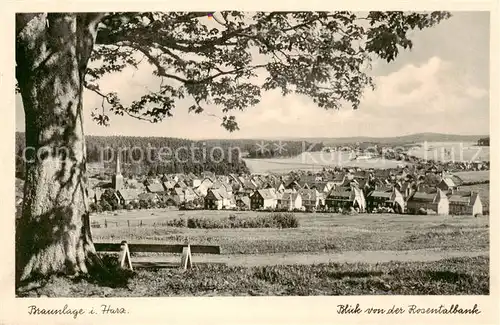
x: 117, y: 179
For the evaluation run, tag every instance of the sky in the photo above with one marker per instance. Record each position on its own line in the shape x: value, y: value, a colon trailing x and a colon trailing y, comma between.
x: 441, y: 85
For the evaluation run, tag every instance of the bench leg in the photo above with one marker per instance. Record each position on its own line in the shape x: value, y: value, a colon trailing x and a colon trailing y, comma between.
x: 186, y: 260
x: 124, y: 257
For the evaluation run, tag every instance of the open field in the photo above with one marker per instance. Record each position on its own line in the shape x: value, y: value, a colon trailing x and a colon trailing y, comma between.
x: 456, y: 276
x: 328, y: 254
x: 441, y: 151
x: 474, y: 176
x: 316, y: 233
x: 316, y: 161
x: 450, y: 151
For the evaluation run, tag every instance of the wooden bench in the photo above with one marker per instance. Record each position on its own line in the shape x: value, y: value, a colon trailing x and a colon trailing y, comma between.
x: 186, y: 250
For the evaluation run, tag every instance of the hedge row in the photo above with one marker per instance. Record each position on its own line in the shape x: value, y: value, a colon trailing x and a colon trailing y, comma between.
x: 272, y: 220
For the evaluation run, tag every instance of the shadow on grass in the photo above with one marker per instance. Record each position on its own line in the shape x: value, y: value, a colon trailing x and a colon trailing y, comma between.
x: 109, y: 275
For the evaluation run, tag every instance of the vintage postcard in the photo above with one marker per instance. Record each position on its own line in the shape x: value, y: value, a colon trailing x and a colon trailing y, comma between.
x: 262, y: 164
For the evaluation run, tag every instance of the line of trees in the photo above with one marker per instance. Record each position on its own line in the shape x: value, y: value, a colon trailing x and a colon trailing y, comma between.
x: 484, y: 142
x: 280, y: 149
x: 153, y: 155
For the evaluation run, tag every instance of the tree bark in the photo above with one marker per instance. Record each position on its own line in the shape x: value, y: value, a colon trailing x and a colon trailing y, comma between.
x: 53, y: 235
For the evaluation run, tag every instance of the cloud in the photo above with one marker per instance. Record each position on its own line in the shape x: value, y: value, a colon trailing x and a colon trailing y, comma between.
x: 432, y: 87
x: 435, y: 96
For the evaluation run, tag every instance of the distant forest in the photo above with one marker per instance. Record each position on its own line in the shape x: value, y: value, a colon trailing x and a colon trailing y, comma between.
x: 160, y: 155
x: 484, y: 142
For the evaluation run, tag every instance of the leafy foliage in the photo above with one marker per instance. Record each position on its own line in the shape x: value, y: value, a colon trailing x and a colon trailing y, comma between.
x: 322, y: 55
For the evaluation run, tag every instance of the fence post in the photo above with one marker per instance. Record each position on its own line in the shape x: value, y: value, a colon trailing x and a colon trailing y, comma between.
x: 128, y: 223
x: 141, y: 222
x: 105, y: 223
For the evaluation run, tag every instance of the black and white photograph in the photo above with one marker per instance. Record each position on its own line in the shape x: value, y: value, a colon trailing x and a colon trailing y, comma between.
x: 252, y: 153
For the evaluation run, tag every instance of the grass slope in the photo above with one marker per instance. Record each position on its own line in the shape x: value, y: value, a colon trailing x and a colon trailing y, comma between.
x: 458, y: 276
x: 316, y: 232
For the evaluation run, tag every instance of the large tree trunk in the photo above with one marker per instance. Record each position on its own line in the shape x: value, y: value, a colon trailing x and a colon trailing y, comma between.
x: 53, y: 235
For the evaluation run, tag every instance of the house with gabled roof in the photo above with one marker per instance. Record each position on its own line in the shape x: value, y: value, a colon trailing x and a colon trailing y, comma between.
x: 311, y: 198
x: 293, y: 184
x: 389, y: 198
x: 304, y: 184
x: 128, y: 195
x: 289, y: 201
x: 346, y: 198
x: 242, y: 179
x: 243, y: 202
x: 264, y: 199
x: 180, y: 184
x: 248, y: 186
x: 405, y: 188
x: 465, y: 203
x: 435, y: 202
x: 234, y: 180
x: 218, y: 199
x: 148, y: 197
x: 447, y: 184
x: 322, y: 187
x: 181, y: 195
x: 194, y: 182
x: 205, y: 184
x: 169, y: 185
x: 155, y: 187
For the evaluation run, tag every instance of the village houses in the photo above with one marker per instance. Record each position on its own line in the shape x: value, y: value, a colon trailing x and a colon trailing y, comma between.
x: 428, y: 189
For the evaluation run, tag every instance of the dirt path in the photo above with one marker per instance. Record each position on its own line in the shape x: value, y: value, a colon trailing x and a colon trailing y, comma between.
x: 312, y: 258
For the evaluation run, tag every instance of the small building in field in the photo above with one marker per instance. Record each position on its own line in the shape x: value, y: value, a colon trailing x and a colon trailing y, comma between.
x: 435, y: 203
x: 264, y: 199
x: 465, y: 203
x: 290, y: 201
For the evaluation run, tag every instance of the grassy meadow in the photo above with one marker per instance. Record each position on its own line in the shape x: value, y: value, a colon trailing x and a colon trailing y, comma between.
x: 474, y: 176
x: 317, y: 232
x: 456, y: 276
x: 382, y: 250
